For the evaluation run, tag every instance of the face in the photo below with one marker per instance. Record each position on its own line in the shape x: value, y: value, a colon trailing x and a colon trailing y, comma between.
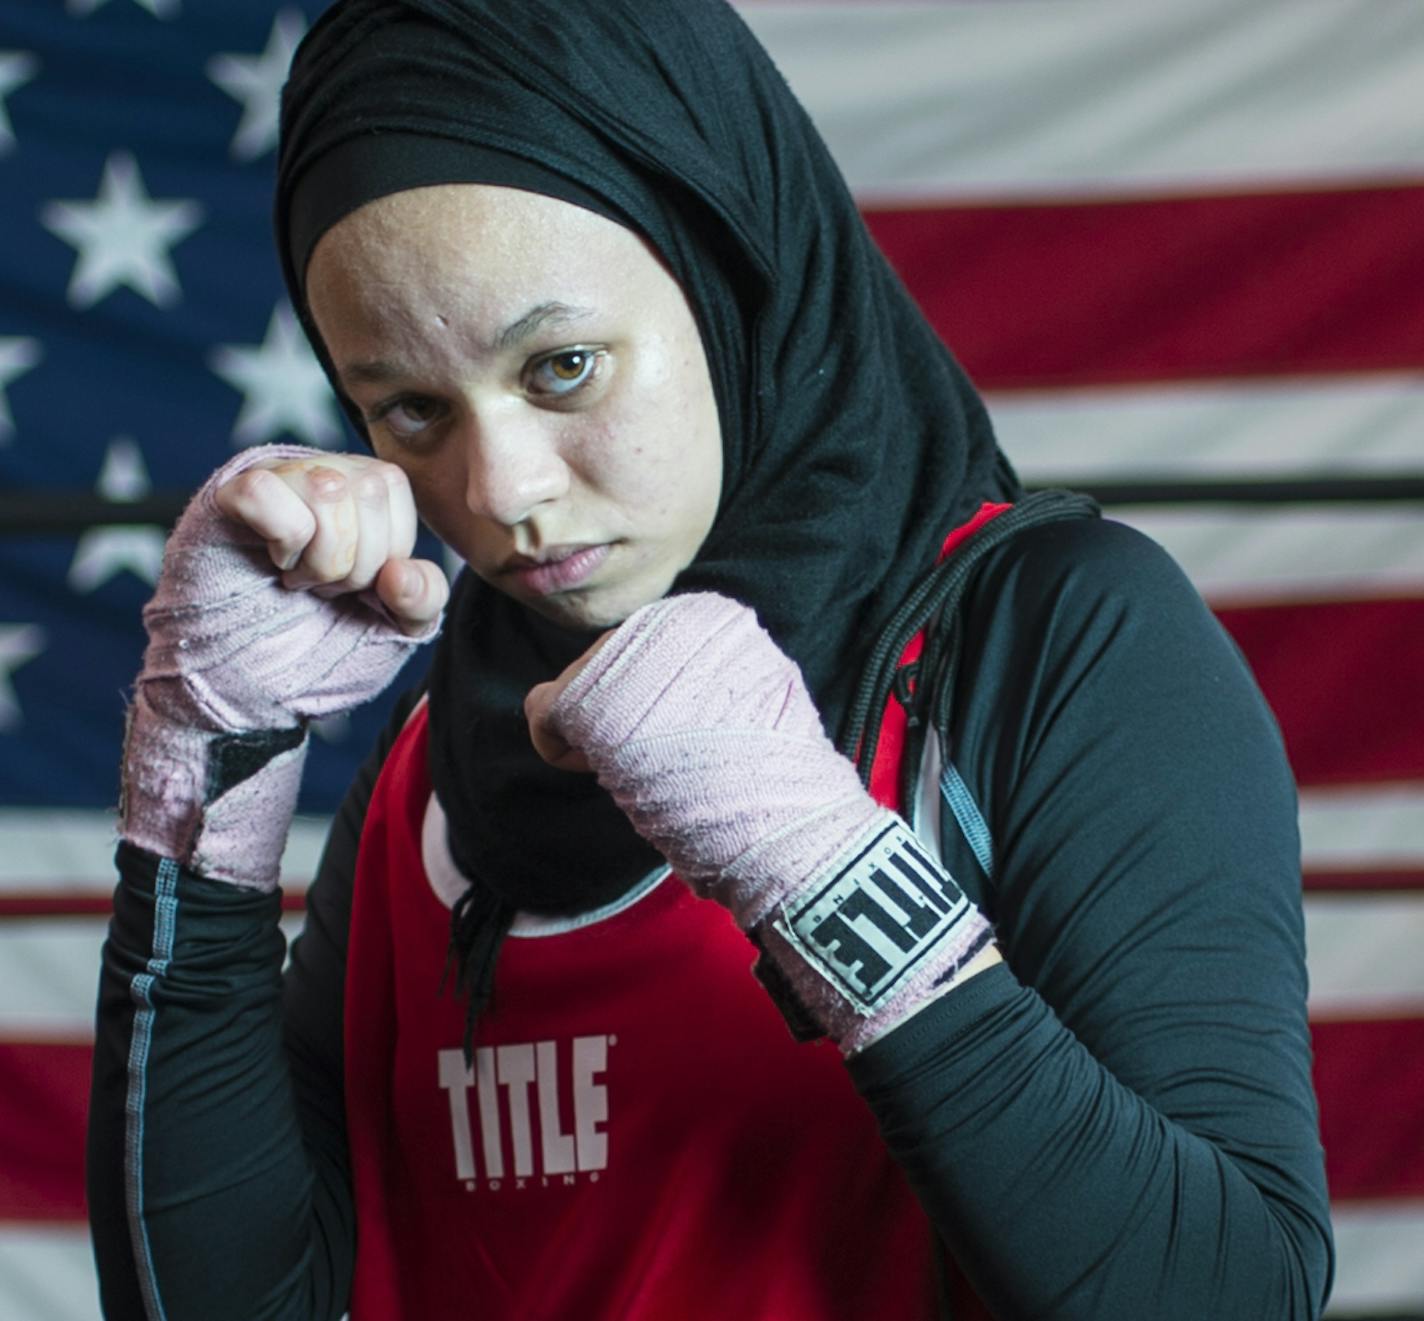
x: 538, y: 375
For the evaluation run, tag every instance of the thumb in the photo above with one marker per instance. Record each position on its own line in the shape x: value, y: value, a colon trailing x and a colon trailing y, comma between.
x: 547, y: 740
x: 414, y: 592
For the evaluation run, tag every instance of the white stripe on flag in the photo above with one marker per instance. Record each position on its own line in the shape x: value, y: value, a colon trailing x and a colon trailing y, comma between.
x: 1383, y: 825
x: 47, y: 1274
x: 56, y: 849
x: 1341, y: 426
x: 1278, y: 554
x: 49, y: 977
x: 1380, y: 1268
x: 71, y: 850
x: 1363, y: 955
x: 55, y: 852
x: 1039, y: 99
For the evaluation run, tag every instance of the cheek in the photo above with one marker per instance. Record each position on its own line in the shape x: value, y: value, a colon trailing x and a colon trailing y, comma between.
x: 617, y: 459
x: 697, y: 458
x: 662, y: 445
x: 644, y: 464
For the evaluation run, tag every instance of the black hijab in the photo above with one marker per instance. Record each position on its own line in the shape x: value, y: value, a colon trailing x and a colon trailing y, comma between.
x: 852, y: 441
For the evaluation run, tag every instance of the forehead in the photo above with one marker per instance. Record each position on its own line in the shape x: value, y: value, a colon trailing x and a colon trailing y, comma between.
x: 479, y: 236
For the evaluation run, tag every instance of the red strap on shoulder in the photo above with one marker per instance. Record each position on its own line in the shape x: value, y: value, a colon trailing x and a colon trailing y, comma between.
x: 890, y: 750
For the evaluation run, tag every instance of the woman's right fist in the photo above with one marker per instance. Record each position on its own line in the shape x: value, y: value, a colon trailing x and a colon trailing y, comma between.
x: 287, y: 593
x: 335, y: 524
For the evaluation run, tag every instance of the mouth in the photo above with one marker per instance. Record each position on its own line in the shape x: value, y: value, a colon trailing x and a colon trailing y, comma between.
x: 555, y: 569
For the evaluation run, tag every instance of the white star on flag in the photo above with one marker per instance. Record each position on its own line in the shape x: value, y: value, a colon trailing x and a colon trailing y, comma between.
x: 158, y: 8
x: 112, y: 547
x: 284, y: 387
x: 123, y: 237
x: 256, y: 81
x: 17, y: 67
x: 18, y: 643
x: 17, y: 355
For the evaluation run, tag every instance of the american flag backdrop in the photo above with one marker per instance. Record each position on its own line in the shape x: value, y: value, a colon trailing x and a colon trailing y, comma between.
x: 1180, y: 248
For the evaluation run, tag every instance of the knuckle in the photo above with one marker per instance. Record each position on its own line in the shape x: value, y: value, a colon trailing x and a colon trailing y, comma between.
x: 248, y: 486
x: 371, y: 488
x: 394, y: 476
x: 327, y: 485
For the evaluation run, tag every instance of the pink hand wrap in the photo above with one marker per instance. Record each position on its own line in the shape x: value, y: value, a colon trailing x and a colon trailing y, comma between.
x: 232, y: 652
x: 703, y: 732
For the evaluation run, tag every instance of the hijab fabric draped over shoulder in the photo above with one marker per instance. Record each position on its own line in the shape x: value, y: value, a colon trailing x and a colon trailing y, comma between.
x: 852, y: 441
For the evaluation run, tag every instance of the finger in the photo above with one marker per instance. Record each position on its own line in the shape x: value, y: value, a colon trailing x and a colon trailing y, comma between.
x: 401, y: 505
x: 330, y: 555
x: 414, y: 592
x: 547, y: 741
x: 260, y: 500
x: 371, y: 495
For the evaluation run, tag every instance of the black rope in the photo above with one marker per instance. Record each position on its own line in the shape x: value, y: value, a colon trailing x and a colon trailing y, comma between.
x: 934, y: 606
x: 479, y: 922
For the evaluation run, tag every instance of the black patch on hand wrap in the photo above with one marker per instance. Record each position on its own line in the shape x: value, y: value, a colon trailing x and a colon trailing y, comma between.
x: 234, y: 758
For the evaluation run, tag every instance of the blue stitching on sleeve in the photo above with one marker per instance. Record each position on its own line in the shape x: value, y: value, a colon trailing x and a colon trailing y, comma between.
x: 165, y: 924
x: 966, y: 812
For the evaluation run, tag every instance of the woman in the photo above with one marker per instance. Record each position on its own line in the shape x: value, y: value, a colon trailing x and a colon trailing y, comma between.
x: 593, y: 293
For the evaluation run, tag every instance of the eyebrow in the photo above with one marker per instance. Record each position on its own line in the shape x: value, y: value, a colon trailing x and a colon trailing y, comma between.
x: 551, y: 314
x: 545, y: 314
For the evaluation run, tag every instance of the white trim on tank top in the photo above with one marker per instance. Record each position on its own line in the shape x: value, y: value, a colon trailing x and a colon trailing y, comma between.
x: 448, y: 883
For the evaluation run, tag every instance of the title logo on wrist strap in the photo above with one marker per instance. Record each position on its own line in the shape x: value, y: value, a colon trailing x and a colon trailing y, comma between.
x: 882, y: 911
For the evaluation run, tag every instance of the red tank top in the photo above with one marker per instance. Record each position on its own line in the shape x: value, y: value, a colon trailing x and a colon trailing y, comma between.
x: 639, y: 1138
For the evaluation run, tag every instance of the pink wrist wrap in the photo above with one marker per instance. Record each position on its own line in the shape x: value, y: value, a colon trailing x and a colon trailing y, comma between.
x: 232, y: 652
x: 703, y: 732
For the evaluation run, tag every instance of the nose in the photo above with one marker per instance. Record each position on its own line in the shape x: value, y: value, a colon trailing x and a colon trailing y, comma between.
x: 512, y: 467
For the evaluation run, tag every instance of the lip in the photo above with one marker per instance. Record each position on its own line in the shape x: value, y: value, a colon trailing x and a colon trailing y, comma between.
x: 556, y: 569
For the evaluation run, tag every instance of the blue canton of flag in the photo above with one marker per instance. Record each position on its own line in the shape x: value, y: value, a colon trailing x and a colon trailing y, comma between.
x: 144, y: 336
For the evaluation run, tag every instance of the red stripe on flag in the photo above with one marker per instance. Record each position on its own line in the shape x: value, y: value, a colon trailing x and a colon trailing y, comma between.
x: 1343, y: 678
x: 1369, y: 881
x: 40, y: 904
x: 44, y: 1104
x: 1179, y: 288
x: 1369, y: 1076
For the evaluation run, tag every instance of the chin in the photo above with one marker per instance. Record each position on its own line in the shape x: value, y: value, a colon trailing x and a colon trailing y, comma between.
x: 595, y: 608
x: 569, y: 611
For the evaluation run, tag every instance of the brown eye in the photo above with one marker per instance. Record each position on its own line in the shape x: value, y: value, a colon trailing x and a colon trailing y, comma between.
x: 563, y: 372
x: 569, y: 366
